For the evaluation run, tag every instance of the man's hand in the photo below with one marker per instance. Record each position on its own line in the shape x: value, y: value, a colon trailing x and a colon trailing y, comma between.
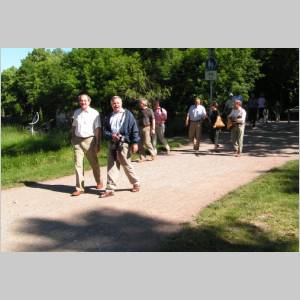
x: 134, y: 148
x: 186, y: 123
x: 152, y: 131
x: 115, y: 137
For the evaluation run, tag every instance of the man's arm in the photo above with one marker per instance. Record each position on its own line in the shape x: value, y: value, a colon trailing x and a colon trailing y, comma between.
x: 73, y: 128
x: 98, y: 136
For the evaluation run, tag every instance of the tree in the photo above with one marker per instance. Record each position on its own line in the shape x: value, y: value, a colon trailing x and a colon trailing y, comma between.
x: 281, y: 80
x: 9, y: 103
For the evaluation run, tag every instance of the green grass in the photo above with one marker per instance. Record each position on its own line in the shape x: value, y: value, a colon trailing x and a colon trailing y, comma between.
x: 43, y: 156
x: 36, y: 158
x: 260, y: 216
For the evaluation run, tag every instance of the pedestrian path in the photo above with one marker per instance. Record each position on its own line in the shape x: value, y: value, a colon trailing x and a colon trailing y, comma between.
x: 43, y: 217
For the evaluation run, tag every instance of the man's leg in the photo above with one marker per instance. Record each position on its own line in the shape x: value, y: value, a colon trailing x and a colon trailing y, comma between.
x: 198, y: 134
x: 234, y: 136
x: 93, y: 159
x: 147, y: 140
x: 240, y: 138
x: 124, y: 155
x: 79, y: 170
x: 113, y: 169
x: 154, y: 139
x: 160, y: 129
x: 141, y: 145
x: 192, y: 133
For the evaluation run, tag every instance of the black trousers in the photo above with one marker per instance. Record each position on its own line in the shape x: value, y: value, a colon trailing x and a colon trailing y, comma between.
x: 213, y: 134
x: 252, y: 115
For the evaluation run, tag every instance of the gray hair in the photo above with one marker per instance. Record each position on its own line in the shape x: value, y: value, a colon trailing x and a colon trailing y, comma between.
x: 81, y: 95
x: 114, y: 98
x: 144, y: 100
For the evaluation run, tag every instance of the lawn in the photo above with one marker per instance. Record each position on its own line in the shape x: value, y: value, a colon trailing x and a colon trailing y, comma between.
x: 43, y: 156
x: 260, y: 216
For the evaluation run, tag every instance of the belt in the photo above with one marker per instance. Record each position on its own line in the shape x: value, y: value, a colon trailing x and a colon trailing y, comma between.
x: 83, y: 138
x: 196, y: 121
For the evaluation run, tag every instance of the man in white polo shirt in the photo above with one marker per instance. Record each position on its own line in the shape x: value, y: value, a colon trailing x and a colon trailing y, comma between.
x: 194, y: 118
x: 238, y: 119
x: 86, y: 134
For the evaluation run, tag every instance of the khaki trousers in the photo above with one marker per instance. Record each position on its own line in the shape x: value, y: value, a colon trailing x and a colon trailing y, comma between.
x: 85, y: 147
x: 237, y: 137
x: 195, y: 131
x: 117, y: 158
x: 159, y: 134
x: 145, y: 142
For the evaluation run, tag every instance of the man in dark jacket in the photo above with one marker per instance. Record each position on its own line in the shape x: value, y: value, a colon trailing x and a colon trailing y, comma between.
x: 123, y: 134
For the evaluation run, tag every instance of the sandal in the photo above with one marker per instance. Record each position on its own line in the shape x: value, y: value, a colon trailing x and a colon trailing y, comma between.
x: 136, y: 188
x: 106, y: 194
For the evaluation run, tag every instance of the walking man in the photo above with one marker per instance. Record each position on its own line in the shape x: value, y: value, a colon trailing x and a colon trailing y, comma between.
x: 146, y: 123
x: 195, y: 116
x: 261, y: 105
x: 252, y: 109
x: 160, y: 115
x: 238, y: 119
x: 123, y: 134
x: 86, y: 137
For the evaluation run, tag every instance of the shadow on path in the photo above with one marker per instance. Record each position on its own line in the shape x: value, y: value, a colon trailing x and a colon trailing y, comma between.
x: 61, y: 188
x: 101, y: 230
x: 116, y: 231
x: 265, y: 140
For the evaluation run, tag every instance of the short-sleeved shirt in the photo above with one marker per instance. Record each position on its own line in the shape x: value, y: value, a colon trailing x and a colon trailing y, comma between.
x: 261, y: 102
x: 85, y: 122
x: 238, y: 115
x: 160, y: 115
x: 196, y: 113
x: 145, y: 117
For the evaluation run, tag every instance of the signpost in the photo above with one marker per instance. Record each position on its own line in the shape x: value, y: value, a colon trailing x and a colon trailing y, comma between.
x: 211, y: 71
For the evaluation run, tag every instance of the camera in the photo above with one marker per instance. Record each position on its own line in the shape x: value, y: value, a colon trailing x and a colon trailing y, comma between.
x: 116, y: 144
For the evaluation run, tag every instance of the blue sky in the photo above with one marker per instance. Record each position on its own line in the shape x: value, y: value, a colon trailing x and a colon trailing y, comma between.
x: 13, y: 56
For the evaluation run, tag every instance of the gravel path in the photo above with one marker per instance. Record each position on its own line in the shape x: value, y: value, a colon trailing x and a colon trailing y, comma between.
x: 43, y: 217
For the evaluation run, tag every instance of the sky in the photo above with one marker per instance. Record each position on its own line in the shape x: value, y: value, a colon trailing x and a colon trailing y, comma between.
x: 13, y: 56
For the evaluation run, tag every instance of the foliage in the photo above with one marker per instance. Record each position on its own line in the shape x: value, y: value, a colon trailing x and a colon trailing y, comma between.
x: 281, y: 80
x: 49, y: 81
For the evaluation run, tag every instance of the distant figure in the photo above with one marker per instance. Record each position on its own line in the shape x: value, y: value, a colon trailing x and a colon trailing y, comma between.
x: 229, y: 105
x: 123, y: 134
x: 261, y: 106
x: 146, y: 123
x: 195, y: 116
x: 86, y: 135
x: 238, y: 118
x: 277, y: 111
x: 252, y: 109
x: 160, y: 115
x: 214, y: 132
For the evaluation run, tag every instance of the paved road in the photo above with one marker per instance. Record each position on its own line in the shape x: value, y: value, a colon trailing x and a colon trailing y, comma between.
x: 43, y: 217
